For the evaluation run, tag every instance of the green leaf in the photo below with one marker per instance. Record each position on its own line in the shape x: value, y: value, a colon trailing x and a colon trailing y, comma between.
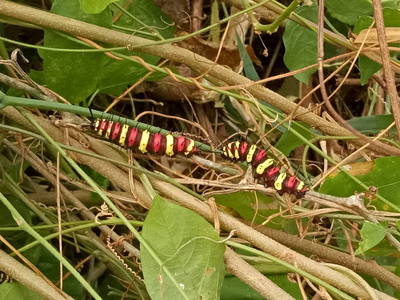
x: 255, y: 207
x: 190, y: 249
x: 16, y: 291
x: 372, y: 234
x: 301, y: 44
x: 94, y: 6
x: 382, y: 173
x: 117, y: 74
x: 372, y: 124
x: 7, y: 219
x: 146, y: 21
x: 73, y: 75
x: 368, y: 67
x: 289, y: 141
x: 362, y: 23
x: 395, y: 4
x: 235, y: 289
x: 349, y: 11
x: 391, y: 17
x: 248, y: 66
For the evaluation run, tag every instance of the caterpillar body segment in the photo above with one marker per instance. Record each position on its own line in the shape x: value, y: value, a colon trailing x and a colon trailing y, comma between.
x: 264, y: 167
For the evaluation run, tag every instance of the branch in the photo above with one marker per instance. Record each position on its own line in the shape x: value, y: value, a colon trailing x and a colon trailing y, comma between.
x: 28, y: 278
x: 245, y: 272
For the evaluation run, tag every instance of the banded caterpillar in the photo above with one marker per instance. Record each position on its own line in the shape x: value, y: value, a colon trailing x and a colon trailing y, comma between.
x: 144, y: 141
x: 5, y: 278
x: 264, y: 168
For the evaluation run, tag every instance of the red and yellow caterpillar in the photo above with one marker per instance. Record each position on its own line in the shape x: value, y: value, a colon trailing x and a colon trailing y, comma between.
x: 144, y: 141
x: 264, y: 168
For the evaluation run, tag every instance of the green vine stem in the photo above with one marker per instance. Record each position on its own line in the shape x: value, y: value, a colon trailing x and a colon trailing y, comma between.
x: 6, y: 100
x: 271, y: 28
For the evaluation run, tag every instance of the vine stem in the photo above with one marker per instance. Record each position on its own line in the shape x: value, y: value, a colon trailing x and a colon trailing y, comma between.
x: 271, y: 28
x: 6, y: 100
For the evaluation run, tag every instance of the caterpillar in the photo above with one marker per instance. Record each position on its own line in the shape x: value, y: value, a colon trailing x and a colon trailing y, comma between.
x: 264, y: 168
x: 5, y: 278
x: 144, y: 141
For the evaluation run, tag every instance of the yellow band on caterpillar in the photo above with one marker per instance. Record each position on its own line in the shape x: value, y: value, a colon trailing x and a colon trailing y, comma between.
x: 96, y: 127
x: 108, y: 130
x: 300, y: 186
x: 189, y: 147
x: 279, y: 181
x: 144, y: 141
x: 225, y: 151
x: 261, y: 167
x: 237, y: 146
x: 169, y: 149
x: 122, y: 137
x: 229, y: 151
x: 251, y: 153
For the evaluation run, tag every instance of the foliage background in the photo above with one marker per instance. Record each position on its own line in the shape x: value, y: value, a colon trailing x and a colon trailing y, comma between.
x: 169, y: 226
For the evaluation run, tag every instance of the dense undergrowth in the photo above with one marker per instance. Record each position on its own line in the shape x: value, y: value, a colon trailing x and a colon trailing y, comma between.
x: 315, y: 87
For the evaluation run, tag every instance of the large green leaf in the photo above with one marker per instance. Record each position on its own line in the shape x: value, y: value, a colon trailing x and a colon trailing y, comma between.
x: 94, y: 6
x: 372, y: 234
x: 234, y: 289
x: 16, y: 291
x: 384, y: 175
x: 301, y: 43
x: 73, y: 75
x: 190, y: 249
x: 145, y: 20
x: 391, y: 17
x: 395, y: 4
x: 348, y: 11
x: 289, y: 141
x: 249, y: 205
x: 372, y: 124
